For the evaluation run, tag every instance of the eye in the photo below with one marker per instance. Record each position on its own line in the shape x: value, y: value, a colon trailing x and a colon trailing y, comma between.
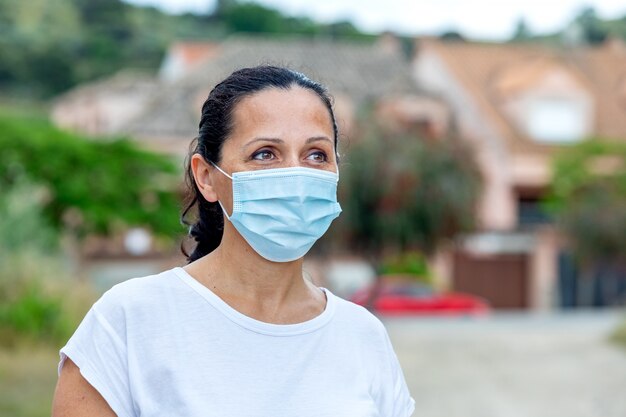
x: 263, y: 155
x: 317, y: 156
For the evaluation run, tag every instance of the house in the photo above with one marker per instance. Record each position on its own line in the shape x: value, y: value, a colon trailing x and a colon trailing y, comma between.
x: 518, y: 104
x: 162, y: 113
x: 515, y: 104
x: 357, y: 74
x: 104, y: 107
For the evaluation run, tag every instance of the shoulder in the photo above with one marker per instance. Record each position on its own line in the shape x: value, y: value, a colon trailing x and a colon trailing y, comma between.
x: 360, y: 315
x: 140, y: 293
x: 358, y: 319
x: 365, y: 337
x: 161, y: 282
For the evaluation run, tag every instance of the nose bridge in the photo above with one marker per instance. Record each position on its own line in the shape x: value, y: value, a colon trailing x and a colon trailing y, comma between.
x: 292, y: 159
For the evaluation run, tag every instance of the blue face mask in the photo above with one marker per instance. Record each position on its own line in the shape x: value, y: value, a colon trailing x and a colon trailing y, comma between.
x: 281, y: 212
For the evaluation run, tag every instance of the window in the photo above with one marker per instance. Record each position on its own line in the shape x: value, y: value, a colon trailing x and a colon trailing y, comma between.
x: 530, y: 209
x: 557, y: 121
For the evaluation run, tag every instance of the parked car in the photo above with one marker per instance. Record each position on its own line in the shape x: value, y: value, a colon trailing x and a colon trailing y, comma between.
x: 411, y: 298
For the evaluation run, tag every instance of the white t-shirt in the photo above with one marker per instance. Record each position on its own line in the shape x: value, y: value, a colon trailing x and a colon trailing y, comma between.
x: 165, y: 345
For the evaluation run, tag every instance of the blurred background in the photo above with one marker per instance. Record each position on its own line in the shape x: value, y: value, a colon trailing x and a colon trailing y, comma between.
x: 483, y: 179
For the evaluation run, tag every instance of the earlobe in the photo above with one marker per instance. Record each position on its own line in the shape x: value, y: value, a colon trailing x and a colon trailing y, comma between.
x: 202, y: 171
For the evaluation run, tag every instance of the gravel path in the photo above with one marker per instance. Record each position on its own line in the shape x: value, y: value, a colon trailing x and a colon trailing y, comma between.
x: 513, y: 365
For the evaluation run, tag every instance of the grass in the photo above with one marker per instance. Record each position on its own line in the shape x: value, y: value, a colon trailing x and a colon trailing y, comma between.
x: 18, y: 106
x: 28, y: 376
x: 40, y: 306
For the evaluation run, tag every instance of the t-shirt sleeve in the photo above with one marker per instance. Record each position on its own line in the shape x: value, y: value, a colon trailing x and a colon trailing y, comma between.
x: 98, y: 348
x: 395, y: 399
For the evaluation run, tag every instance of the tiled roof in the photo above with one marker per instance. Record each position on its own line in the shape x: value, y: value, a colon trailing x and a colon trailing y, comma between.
x: 605, y: 67
x: 125, y: 81
x: 358, y: 70
x: 477, y: 67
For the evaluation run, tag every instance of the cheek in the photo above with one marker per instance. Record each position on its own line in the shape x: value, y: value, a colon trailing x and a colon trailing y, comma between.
x: 225, y: 194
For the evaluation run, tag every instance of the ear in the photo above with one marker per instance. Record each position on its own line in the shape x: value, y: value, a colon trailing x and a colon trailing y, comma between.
x: 202, y: 174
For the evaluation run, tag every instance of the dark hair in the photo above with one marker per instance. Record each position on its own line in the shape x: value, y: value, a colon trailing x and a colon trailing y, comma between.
x: 215, y: 127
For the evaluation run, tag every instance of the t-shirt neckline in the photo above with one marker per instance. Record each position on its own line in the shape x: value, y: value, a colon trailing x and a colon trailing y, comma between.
x: 255, y: 325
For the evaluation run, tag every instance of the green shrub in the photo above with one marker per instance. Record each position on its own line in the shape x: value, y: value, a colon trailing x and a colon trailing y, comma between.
x: 57, y: 184
x: 36, y: 315
x: 590, y: 178
x: 38, y: 301
x: 408, y: 263
x: 22, y: 224
x: 91, y: 186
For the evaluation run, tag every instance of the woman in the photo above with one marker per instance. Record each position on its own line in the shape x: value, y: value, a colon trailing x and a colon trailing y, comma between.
x: 238, y: 331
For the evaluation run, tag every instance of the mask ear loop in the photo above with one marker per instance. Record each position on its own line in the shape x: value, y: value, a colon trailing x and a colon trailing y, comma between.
x: 220, y: 170
x: 218, y: 201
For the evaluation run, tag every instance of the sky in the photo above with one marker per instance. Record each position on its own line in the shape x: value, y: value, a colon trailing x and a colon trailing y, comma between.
x: 477, y: 19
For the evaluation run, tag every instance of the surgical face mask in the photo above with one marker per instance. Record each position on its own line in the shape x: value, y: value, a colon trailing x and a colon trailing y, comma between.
x: 281, y: 212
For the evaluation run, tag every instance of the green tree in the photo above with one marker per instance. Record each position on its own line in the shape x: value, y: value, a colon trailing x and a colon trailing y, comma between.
x: 342, y: 29
x: 47, y: 47
x: 452, y: 36
x: 250, y: 17
x: 402, y: 193
x: 92, y: 186
x: 592, y: 26
x: 253, y: 17
x: 588, y: 197
x: 522, y: 32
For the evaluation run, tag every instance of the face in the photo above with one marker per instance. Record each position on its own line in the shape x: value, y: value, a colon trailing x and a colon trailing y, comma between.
x: 274, y: 128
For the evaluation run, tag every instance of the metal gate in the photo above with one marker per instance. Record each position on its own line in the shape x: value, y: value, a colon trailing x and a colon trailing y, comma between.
x: 501, y: 279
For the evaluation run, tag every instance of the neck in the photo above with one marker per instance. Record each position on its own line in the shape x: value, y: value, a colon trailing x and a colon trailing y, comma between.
x: 244, y: 271
x: 251, y: 284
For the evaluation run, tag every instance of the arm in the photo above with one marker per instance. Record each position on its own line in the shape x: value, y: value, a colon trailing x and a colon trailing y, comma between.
x: 75, y: 397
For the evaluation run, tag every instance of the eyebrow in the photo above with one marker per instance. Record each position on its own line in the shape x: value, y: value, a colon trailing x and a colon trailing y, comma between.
x: 278, y: 140
x: 253, y: 141
x: 318, y: 138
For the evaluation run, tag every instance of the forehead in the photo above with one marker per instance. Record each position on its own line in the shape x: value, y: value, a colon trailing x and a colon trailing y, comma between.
x: 276, y: 110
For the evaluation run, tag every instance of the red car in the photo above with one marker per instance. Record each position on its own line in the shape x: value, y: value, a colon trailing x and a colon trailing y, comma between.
x: 410, y: 298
